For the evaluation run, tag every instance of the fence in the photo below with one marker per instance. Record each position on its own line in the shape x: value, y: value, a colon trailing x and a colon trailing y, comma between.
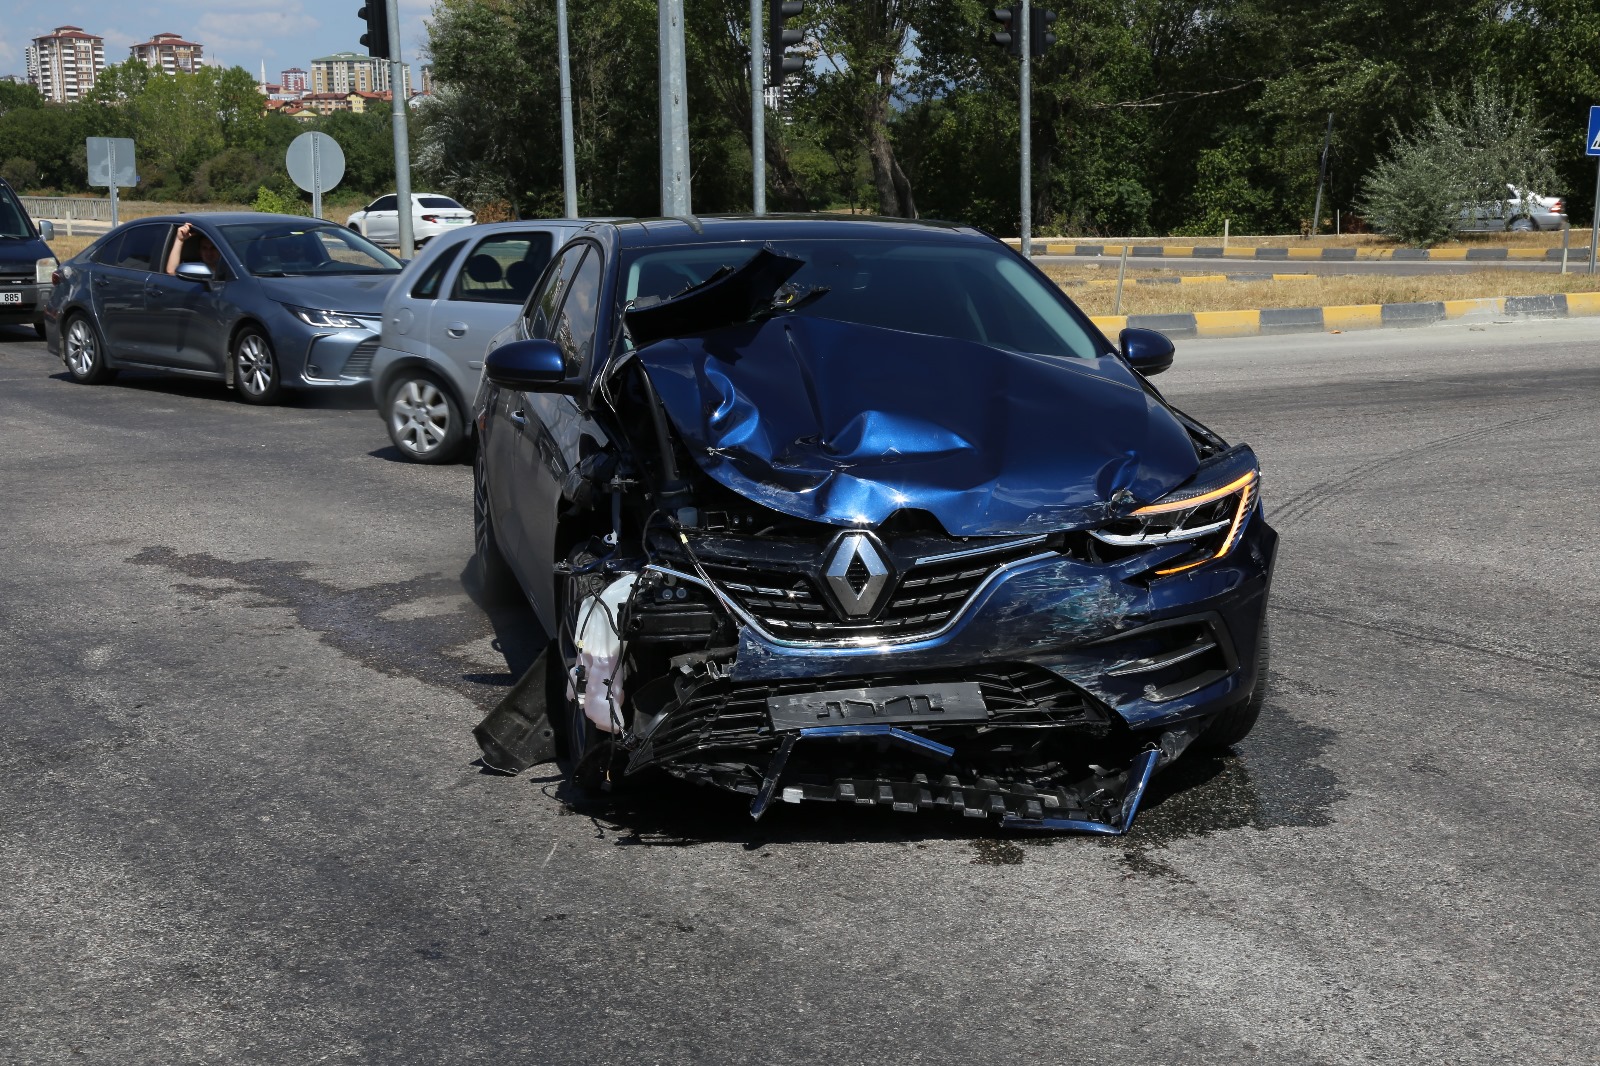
x: 68, y: 207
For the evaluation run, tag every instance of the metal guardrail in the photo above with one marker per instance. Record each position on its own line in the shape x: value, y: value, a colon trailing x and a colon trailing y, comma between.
x: 74, y: 207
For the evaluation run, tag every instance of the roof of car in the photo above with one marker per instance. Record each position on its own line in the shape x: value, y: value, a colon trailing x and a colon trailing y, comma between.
x: 638, y: 233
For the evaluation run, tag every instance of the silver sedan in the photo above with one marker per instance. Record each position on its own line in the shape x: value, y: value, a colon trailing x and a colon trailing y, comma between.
x: 460, y: 291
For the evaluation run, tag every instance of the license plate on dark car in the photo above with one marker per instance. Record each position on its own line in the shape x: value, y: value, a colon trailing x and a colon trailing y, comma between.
x: 914, y: 704
x: 10, y: 297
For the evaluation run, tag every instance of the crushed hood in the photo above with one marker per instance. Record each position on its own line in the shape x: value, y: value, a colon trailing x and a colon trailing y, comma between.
x: 845, y: 424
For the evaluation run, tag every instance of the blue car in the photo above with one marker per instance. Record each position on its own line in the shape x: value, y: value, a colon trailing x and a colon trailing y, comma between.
x: 265, y: 303
x: 863, y: 512
x: 27, y: 265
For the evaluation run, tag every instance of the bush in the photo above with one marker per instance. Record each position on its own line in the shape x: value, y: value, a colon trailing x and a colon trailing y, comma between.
x: 20, y: 174
x: 270, y: 201
x: 1414, y: 194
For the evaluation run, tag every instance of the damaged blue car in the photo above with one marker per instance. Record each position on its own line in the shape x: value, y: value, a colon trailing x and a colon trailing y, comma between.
x: 859, y: 511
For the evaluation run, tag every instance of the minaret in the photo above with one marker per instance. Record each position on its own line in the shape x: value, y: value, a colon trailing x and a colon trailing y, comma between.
x: 263, y: 75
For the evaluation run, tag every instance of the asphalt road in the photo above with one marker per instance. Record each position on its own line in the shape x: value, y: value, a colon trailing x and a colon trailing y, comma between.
x: 241, y: 822
x: 1412, y: 267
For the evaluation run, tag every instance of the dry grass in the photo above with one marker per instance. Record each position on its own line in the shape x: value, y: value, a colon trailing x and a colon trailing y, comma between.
x: 66, y: 247
x: 1328, y: 290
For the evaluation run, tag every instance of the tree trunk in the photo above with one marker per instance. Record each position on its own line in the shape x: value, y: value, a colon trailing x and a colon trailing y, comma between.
x: 894, y: 191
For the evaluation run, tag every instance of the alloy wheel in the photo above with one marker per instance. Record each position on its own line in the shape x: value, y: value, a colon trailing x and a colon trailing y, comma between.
x: 81, y: 348
x: 420, y: 416
x: 255, y: 367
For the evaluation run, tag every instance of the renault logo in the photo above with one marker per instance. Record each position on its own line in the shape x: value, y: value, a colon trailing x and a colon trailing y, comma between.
x: 857, y: 574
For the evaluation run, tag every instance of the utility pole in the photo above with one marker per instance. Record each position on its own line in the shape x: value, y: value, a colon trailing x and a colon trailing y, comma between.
x: 1322, y: 175
x: 758, y: 116
x: 675, y: 200
x: 569, y: 169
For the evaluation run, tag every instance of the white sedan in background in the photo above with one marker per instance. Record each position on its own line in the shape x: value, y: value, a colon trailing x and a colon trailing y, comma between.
x: 431, y: 215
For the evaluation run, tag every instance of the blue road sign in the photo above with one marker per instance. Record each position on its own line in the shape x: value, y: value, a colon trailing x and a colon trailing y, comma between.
x: 1593, y: 140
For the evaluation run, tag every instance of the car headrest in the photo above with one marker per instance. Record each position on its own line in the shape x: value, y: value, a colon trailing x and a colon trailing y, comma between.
x: 484, y: 269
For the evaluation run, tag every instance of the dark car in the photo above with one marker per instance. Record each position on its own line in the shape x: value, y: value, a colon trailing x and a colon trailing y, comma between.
x: 864, y: 512
x: 26, y: 263
x: 263, y: 302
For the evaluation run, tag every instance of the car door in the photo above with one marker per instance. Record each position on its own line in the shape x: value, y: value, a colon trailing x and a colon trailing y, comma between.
x: 555, y: 424
x: 508, y: 446
x: 186, y: 321
x: 486, y: 290
x: 383, y: 220
x: 121, y: 271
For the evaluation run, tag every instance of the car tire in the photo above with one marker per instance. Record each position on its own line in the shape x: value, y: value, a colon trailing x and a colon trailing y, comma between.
x: 424, y: 421
x: 1233, y: 724
x: 589, y: 751
x: 257, y: 377
x: 1523, y: 225
x: 85, y: 351
x: 490, y: 571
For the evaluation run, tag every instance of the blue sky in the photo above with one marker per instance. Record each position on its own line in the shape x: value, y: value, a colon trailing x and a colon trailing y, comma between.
x: 245, y: 33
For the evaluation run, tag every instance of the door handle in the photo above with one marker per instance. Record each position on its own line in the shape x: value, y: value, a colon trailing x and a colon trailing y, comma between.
x: 456, y: 329
x: 520, y: 419
x: 101, y: 282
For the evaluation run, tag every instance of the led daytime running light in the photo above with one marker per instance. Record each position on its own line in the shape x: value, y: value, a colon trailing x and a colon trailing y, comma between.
x: 1246, y: 487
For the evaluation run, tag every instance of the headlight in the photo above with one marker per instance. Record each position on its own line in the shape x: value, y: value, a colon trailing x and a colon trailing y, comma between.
x: 1210, y: 511
x: 326, y: 319
x: 44, y: 269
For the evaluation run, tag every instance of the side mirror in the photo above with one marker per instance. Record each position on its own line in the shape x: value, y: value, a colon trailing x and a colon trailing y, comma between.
x: 195, y: 272
x: 530, y: 366
x: 47, y: 231
x: 1149, y: 352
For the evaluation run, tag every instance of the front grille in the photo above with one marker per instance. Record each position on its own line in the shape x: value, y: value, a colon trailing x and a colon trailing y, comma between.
x: 727, y: 715
x: 787, y: 598
x: 17, y: 279
x: 360, y: 362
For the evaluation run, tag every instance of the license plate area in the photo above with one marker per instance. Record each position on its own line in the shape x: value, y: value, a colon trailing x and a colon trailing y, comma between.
x: 906, y: 704
x: 10, y: 297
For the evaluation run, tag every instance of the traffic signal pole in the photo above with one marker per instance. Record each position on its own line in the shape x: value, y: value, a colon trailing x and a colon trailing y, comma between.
x: 569, y: 169
x: 402, y: 139
x: 1027, y: 130
x: 758, y: 116
x: 675, y: 199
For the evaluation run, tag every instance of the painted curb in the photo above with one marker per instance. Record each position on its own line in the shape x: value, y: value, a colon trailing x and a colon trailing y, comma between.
x: 1351, y: 317
x: 1181, y: 279
x: 1153, y: 251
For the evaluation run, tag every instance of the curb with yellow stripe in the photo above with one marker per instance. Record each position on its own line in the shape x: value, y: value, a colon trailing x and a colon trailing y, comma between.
x: 1152, y: 251
x: 1350, y: 317
x: 1184, y: 279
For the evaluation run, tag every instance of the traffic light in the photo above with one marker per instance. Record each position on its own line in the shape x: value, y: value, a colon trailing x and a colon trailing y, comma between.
x: 1009, y: 35
x: 781, y: 64
x: 375, y: 13
x: 1039, y: 35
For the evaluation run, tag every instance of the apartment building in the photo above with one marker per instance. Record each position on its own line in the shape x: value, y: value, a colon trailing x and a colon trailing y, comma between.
x: 352, y: 72
x: 169, y: 53
x: 63, y: 65
x: 293, y: 80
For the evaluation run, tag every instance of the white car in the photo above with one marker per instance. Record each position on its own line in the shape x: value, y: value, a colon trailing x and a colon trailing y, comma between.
x: 1519, y: 212
x: 431, y: 215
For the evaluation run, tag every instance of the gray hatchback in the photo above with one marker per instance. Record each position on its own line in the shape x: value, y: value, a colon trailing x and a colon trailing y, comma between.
x: 262, y: 302
x: 459, y: 292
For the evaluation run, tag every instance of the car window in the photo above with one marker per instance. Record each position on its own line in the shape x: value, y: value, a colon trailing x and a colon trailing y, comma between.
x: 437, y: 202
x: 105, y: 253
x: 13, y: 220
x: 966, y: 292
x: 543, y: 309
x: 287, y: 249
x: 427, y: 286
x: 503, y: 268
x: 141, y: 248
x: 385, y: 203
x: 578, y: 320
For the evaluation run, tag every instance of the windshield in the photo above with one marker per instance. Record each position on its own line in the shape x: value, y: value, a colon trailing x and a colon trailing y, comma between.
x: 289, y: 250
x: 967, y: 292
x: 437, y: 202
x: 13, y: 222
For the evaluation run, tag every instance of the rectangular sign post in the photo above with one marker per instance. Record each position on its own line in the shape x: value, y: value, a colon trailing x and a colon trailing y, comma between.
x: 1592, y: 147
x: 111, y: 164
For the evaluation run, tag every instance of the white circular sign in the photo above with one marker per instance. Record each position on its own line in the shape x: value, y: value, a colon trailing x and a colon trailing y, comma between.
x: 315, y: 162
